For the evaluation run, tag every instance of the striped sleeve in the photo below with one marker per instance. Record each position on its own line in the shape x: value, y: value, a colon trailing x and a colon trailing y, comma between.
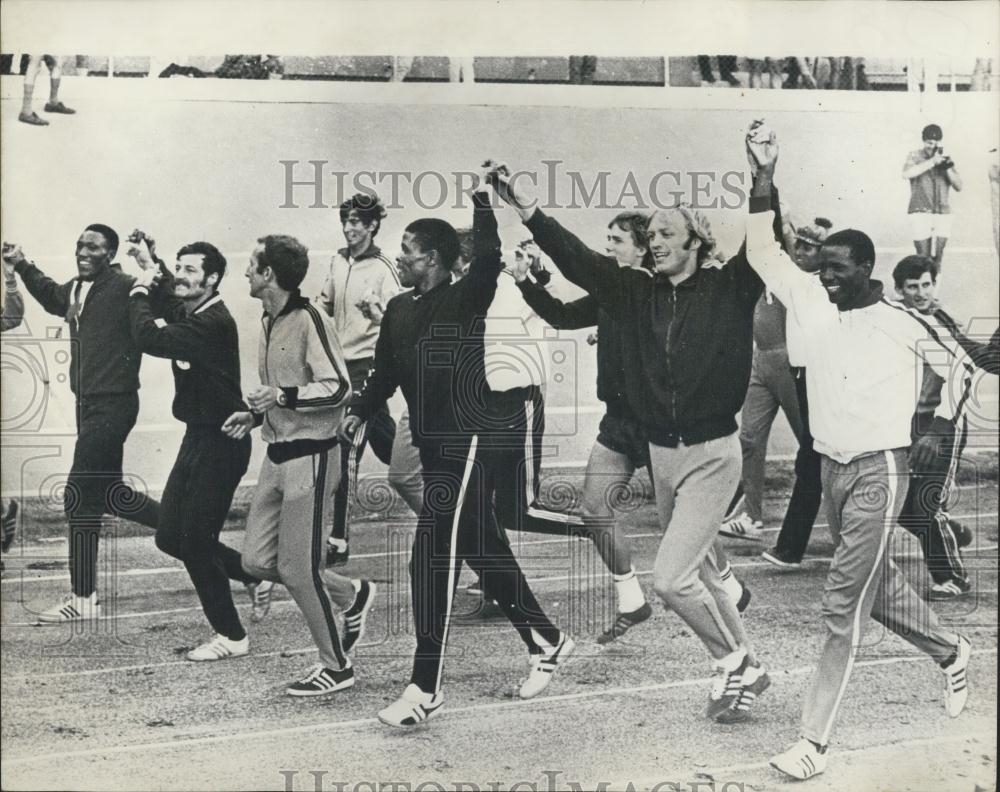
x: 330, y: 385
x: 390, y: 285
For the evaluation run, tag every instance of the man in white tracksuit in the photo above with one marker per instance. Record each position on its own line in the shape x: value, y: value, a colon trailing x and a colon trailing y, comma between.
x: 863, y: 355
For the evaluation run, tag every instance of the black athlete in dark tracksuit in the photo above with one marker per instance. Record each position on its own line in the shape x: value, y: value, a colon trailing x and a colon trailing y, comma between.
x: 104, y: 378
x: 430, y: 346
x: 204, y: 351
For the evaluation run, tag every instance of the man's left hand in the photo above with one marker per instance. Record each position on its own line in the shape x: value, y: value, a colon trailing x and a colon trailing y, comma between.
x: 923, y: 452
x: 263, y: 398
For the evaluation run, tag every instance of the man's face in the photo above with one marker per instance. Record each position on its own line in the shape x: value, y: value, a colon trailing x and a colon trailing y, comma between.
x: 258, y: 281
x: 356, y: 232
x: 668, y: 242
x: 806, y: 256
x: 92, y: 254
x: 623, y: 248
x: 190, y: 279
x: 918, y: 293
x: 930, y: 146
x: 842, y: 278
x: 412, y: 264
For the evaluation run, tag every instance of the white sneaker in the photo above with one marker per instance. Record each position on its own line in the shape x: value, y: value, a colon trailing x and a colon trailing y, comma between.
x: 260, y: 598
x: 219, y: 647
x: 412, y: 708
x: 801, y: 761
x: 544, y: 664
x: 73, y: 608
x: 742, y: 527
x: 956, y: 690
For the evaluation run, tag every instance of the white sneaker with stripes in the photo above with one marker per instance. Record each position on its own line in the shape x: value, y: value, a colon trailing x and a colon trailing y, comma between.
x: 260, y: 598
x: 412, y: 708
x: 322, y: 680
x: 544, y: 664
x: 742, y: 527
x: 801, y: 761
x: 72, y: 608
x: 219, y: 647
x: 356, y: 616
x: 956, y: 691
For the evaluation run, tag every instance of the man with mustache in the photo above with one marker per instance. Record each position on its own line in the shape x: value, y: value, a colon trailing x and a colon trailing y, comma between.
x: 104, y: 378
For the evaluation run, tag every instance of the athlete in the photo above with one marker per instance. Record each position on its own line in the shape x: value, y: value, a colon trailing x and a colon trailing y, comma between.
x: 686, y: 329
x: 431, y: 347
x: 861, y: 354
x: 104, y: 378
x: 304, y: 387
x: 200, y: 339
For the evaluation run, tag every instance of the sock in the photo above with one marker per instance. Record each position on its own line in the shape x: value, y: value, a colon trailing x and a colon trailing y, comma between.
x: 340, y: 544
x: 54, y: 91
x: 357, y: 590
x: 731, y: 584
x: 26, y: 102
x: 731, y: 661
x: 630, y: 596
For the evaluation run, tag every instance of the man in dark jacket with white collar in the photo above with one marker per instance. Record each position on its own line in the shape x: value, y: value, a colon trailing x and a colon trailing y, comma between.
x: 104, y: 378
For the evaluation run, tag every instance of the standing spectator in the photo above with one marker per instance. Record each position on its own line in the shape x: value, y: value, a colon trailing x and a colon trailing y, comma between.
x: 582, y: 68
x: 29, y: 116
x: 462, y: 70
x: 982, y: 73
x: 727, y: 65
x: 771, y: 67
x: 932, y: 174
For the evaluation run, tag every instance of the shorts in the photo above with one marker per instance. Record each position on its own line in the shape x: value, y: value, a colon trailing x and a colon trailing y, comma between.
x: 624, y: 435
x: 925, y: 225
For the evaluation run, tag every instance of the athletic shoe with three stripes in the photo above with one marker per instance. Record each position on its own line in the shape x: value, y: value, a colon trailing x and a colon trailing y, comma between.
x: 357, y: 614
x: 412, y: 708
x: 625, y: 622
x: 801, y: 761
x: 956, y: 691
x: 72, y: 608
x: 735, y: 691
x: 544, y: 664
x: 322, y: 680
x: 260, y: 598
x: 219, y: 647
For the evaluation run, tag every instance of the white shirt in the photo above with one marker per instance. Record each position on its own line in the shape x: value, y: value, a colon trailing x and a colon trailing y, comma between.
x: 513, y: 340
x: 864, y: 367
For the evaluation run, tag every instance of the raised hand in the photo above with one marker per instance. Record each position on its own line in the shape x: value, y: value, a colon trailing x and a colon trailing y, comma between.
x: 142, y: 248
x: 762, y: 146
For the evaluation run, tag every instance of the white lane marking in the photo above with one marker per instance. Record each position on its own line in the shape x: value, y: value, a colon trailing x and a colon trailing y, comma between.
x: 15, y: 578
x: 326, y: 725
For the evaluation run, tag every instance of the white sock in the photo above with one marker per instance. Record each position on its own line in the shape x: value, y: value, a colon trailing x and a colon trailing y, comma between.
x: 630, y: 596
x: 357, y: 590
x: 731, y: 584
x: 340, y: 544
x: 732, y: 660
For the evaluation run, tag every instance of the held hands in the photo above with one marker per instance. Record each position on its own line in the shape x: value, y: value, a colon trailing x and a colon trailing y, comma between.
x: 371, y: 307
x: 498, y: 176
x: 762, y: 147
x: 348, y: 428
x: 12, y: 256
x: 237, y: 425
x: 262, y: 398
x: 142, y: 248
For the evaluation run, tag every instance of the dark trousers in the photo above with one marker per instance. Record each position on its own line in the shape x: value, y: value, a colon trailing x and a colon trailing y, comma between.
x: 95, y: 486
x: 195, y: 503
x: 807, y: 492
x: 379, y: 431
x: 511, y: 448
x: 457, y: 523
x: 923, y: 512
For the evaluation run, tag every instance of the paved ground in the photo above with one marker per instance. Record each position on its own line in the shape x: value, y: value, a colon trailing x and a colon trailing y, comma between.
x: 120, y: 708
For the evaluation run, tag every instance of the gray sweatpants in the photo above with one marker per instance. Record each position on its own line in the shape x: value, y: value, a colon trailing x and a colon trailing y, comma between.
x: 693, y: 485
x: 863, y: 499
x: 771, y: 386
x: 285, y: 542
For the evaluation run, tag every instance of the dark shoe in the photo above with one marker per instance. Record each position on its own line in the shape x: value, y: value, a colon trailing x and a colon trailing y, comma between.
x: 9, y: 525
x: 781, y: 559
x: 754, y: 682
x: 357, y: 614
x: 58, y: 107
x: 33, y: 119
x: 320, y: 681
x: 336, y: 556
x: 744, y: 601
x: 625, y: 622
x: 950, y: 589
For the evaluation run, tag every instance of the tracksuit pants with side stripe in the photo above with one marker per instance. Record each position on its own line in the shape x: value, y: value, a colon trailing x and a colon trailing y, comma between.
x: 923, y: 512
x: 863, y: 499
x: 285, y: 542
x: 457, y: 523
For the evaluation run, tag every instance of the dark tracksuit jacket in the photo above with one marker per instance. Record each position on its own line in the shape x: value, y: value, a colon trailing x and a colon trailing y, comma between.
x: 686, y: 350
x: 204, y: 352
x: 431, y: 346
